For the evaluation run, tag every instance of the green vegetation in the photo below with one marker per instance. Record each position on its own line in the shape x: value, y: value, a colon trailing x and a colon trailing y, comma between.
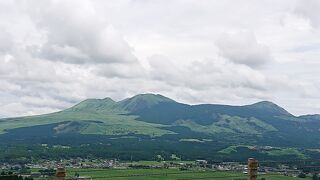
x: 286, y: 152
x: 164, y: 174
x: 88, y: 123
x: 208, y: 129
x: 192, y: 140
x: 264, y: 152
x: 148, y: 125
x: 229, y: 124
x: 143, y: 101
x: 231, y: 149
x: 152, y: 115
x: 245, y: 125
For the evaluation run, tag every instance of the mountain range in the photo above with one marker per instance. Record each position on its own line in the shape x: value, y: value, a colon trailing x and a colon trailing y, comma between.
x: 156, y: 117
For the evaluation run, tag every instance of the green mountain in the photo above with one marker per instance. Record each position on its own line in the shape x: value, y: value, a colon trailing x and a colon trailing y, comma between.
x: 313, y: 117
x: 143, y: 101
x: 270, y: 107
x: 158, y: 118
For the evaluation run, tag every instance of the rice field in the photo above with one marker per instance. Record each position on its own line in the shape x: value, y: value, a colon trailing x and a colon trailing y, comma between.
x: 165, y: 174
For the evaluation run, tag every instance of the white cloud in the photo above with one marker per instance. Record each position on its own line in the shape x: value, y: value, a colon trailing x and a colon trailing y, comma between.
x: 56, y: 53
x: 210, y: 77
x: 310, y: 10
x: 75, y: 33
x: 243, y: 48
x: 6, y: 43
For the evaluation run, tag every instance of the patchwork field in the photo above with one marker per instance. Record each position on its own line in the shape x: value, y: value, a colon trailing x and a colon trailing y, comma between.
x: 164, y: 174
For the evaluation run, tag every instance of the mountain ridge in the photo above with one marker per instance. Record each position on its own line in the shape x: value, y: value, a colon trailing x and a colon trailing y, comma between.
x: 152, y: 123
x: 157, y: 115
x: 150, y: 99
x: 147, y: 100
x: 153, y: 99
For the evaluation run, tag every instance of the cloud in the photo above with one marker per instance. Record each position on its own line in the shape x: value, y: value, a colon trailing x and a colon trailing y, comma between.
x: 207, y: 74
x: 6, y: 43
x: 76, y: 34
x: 56, y: 53
x: 310, y: 10
x: 243, y: 48
x: 58, y: 57
x: 127, y: 71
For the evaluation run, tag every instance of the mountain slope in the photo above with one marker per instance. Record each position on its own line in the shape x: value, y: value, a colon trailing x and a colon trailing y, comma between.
x: 270, y: 107
x: 96, y: 105
x: 158, y: 116
x: 143, y: 101
x: 313, y: 117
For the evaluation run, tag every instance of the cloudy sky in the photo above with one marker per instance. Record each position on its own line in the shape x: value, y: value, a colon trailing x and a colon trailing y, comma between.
x: 54, y: 54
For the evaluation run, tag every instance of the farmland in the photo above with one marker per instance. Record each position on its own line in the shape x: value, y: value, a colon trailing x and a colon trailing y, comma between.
x: 164, y: 174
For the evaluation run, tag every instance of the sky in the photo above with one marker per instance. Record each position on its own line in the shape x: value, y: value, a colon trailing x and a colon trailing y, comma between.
x: 54, y: 54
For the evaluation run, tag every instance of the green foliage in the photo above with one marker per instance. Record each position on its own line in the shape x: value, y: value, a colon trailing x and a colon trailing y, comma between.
x: 286, y: 152
x: 159, y: 158
x: 88, y: 123
x: 166, y: 174
x: 149, y: 114
x: 175, y: 157
x: 147, y: 125
x: 274, y: 153
x: 11, y: 176
x: 230, y: 149
x: 302, y: 175
x: 142, y: 101
x: 315, y: 176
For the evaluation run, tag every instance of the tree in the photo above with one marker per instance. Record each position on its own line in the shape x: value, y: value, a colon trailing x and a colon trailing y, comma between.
x: 76, y: 174
x: 315, y: 177
x: 302, y: 175
x: 28, y: 178
x: 159, y: 158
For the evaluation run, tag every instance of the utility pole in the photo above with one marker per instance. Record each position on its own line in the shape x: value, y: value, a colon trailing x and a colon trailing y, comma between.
x: 252, y: 169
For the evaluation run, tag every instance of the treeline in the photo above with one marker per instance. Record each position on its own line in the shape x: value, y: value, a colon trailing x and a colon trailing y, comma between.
x: 130, y: 148
x: 136, y: 148
x: 11, y: 176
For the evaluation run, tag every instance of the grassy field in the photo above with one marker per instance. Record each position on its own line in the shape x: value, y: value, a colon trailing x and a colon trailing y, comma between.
x: 275, y: 152
x: 111, y: 124
x: 164, y: 174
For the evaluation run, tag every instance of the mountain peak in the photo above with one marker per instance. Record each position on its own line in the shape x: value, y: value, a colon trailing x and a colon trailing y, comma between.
x: 108, y: 99
x: 149, y: 98
x: 95, y: 105
x: 141, y: 101
x: 270, y: 106
x: 265, y: 104
x: 152, y: 97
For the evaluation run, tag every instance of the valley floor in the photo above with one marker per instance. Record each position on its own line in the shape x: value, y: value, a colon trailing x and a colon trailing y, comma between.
x: 165, y: 174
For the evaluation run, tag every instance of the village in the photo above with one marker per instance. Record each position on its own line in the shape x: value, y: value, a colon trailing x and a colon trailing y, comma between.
x: 49, y: 168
